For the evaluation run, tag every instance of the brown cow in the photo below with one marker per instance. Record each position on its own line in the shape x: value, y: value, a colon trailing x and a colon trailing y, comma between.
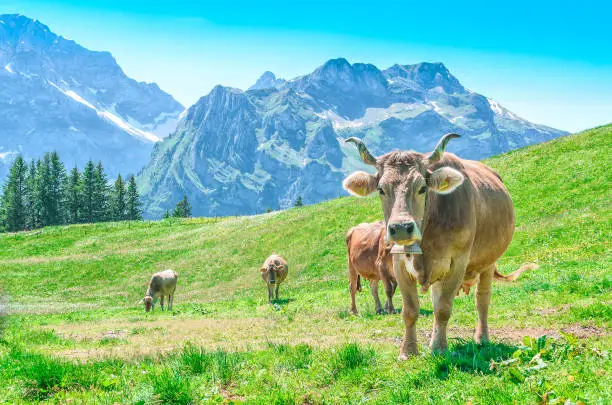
x: 274, y: 272
x: 162, y: 284
x: 460, y: 213
x: 368, y: 257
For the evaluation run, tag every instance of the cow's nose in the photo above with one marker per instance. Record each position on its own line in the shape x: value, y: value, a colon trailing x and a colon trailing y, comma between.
x: 402, y: 231
x: 398, y: 227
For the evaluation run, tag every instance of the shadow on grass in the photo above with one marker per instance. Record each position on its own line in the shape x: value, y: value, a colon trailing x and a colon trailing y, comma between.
x: 425, y: 312
x: 282, y: 301
x: 467, y: 356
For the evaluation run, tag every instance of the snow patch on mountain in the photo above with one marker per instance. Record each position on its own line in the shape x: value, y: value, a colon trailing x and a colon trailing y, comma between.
x: 110, y: 117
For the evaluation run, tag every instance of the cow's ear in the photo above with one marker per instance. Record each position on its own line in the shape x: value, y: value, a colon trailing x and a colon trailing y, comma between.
x: 361, y: 183
x: 445, y: 180
x: 262, y: 269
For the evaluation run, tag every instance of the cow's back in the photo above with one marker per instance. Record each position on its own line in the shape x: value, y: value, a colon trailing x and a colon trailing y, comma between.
x: 164, y: 282
x: 478, y: 217
x: 494, y: 211
x: 281, y: 265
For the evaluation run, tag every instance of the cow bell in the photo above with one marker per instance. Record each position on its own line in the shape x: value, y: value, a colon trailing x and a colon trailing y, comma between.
x: 413, y: 249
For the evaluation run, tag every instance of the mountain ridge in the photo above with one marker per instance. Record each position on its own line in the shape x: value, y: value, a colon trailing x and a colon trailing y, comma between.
x: 58, y: 95
x: 242, y: 152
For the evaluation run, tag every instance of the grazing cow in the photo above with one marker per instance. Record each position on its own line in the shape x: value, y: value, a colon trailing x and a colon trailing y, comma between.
x: 460, y: 213
x: 161, y: 284
x: 274, y: 272
x: 368, y: 257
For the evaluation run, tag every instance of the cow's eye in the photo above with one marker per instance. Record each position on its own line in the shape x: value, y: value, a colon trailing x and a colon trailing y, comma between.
x: 380, y: 191
x: 422, y: 189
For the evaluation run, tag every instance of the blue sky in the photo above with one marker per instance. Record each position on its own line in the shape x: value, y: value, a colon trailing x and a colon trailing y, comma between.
x: 548, y: 61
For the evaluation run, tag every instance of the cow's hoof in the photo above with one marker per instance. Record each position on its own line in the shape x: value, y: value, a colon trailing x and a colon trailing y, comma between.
x: 439, y: 350
x: 406, y: 355
x: 481, y: 339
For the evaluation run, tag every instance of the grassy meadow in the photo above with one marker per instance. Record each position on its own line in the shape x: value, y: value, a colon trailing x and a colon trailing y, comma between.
x: 76, y: 332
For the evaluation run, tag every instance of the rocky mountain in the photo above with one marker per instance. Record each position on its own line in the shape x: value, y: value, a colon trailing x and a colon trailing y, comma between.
x: 58, y: 95
x: 237, y: 152
x: 267, y: 80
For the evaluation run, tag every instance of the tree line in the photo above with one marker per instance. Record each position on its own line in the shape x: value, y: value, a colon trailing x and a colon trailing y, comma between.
x: 43, y: 193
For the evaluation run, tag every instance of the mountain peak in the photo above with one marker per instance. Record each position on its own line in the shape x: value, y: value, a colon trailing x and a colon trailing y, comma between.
x: 427, y: 75
x: 266, y: 81
x: 75, y: 101
x: 335, y: 63
x: 21, y: 20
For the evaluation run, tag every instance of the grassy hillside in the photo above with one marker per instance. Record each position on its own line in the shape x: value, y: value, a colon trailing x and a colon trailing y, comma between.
x: 76, y: 331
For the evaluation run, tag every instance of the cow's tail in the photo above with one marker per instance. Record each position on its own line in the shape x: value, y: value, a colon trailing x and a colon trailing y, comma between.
x: 515, y: 274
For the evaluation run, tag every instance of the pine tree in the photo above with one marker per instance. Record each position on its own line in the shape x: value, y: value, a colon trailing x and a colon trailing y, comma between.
x: 167, y: 214
x: 14, y: 197
x: 101, y: 211
x: 298, y: 202
x: 133, y: 204
x: 55, y: 190
x: 73, y: 197
x: 88, y: 193
x: 182, y: 209
x: 119, y: 212
x: 33, y: 220
x: 42, y: 192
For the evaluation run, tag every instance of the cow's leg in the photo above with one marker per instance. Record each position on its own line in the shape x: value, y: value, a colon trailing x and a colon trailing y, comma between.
x: 353, y: 287
x: 277, y: 285
x: 389, y: 290
x: 270, y: 294
x: 442, y: 295
x: 169, y: 302
x: 410, y: 308
x: 161, y: 302
x: 483, y: 299
x: 374, y: 291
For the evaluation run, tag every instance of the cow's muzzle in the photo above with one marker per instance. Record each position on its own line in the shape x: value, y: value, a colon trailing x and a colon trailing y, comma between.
x: 403, y: 232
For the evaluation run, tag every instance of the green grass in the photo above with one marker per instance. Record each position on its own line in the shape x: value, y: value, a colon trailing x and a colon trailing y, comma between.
x: 76, y: 332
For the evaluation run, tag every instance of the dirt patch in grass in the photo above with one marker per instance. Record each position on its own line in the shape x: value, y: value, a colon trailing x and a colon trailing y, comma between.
x: 554, y: 310
x: 151, y: 338
x: 578, y: 330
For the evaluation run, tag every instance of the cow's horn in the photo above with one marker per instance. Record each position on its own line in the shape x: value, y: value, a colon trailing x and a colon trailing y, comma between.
x: 438, y: 151
x: 365, y: 154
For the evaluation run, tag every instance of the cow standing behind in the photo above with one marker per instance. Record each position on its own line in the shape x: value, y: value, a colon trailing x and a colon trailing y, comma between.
x: 162, y: 284
x: 274, y: 272
x: 460, y: 213
x: 369, y: 257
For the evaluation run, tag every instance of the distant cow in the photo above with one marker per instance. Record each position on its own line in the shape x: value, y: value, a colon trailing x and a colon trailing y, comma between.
x: 369, y: 257
x: 274, y: 272
x: 161, y: 284
x: 460, y: 214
